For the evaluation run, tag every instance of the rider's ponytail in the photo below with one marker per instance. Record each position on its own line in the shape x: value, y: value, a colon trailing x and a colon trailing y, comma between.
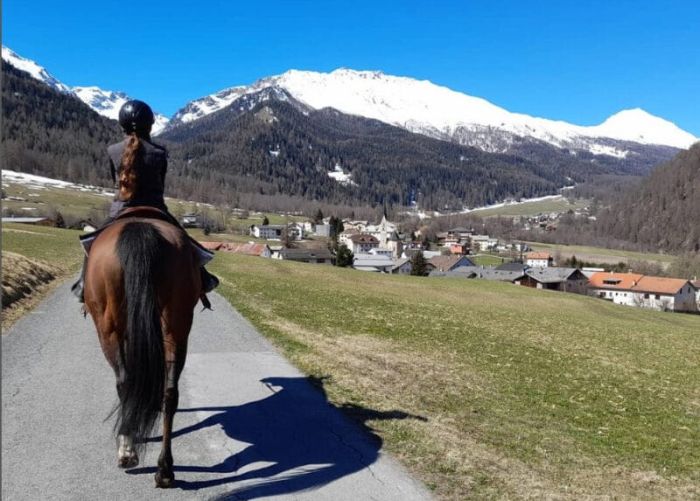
x: 127, y: 171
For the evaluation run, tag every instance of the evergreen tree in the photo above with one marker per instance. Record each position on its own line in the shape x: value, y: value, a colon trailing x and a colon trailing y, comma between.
x: 419, y: 266
x: 318, y: 217
x: 344, y: 257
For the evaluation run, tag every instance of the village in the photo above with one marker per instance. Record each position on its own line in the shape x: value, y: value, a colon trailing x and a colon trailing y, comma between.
x: 382, y: 248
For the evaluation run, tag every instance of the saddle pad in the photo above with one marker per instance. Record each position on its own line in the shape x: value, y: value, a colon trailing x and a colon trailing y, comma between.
x: 203, y: 255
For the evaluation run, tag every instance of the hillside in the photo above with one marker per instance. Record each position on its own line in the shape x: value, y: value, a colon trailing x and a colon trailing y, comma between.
x: 270, y: 143
x: 48, y: 132
x: 664, y: 212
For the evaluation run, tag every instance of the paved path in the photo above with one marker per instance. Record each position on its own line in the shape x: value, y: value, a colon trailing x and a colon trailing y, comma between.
x: 250, y: 426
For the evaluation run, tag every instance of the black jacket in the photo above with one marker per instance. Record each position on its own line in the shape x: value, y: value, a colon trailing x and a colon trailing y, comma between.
x: 150, y: 173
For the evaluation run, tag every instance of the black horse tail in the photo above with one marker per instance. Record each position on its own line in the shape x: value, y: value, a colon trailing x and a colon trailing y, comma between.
x: 141, y: 250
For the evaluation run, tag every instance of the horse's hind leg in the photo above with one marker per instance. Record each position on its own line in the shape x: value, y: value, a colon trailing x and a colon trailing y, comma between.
x: 174, y: 361
x: 127, y: 457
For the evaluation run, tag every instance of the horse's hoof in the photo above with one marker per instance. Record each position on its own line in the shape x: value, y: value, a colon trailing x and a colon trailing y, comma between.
x: 128, y: 461
x: 163, y: 482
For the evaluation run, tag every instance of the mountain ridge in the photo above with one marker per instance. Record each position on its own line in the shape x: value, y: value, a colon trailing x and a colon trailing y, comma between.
x: 105, y: 102
x: 437, y: 111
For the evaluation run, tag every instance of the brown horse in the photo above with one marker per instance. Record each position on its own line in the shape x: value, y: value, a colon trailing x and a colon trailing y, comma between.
x: 142, y: 283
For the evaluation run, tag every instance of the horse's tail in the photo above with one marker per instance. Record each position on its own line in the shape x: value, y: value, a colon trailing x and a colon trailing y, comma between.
x: 141, y: 251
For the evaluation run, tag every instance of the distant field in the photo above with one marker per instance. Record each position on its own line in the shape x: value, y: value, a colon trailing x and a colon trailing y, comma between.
x: 89, y: 204
x: 601, y: 254
x: 70, y: 202
x: 488, y: 260
x: 534, y: 208
x: 525, y: 393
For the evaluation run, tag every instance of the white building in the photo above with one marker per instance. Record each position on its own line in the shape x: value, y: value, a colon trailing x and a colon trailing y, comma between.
x: 361, y: 243
x: 276, y: 231
x: 538, y: 259
x: 657, y: 293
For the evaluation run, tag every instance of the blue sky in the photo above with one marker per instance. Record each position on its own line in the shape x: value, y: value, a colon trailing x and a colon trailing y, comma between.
x: 578, y: 61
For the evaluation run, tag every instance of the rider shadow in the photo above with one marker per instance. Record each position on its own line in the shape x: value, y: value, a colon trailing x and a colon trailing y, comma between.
x: 302, y: 440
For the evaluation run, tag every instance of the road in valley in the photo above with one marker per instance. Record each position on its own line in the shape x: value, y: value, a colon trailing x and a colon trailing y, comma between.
x: 249, y: 425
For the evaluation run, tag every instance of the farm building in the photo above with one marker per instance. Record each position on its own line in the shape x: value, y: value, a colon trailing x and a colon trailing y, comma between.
x: 632, y: 289
x: 316, y: 256
x: 402, y: 266
x: 560, y: 279
x: 449, y: 263
x: 370, y: 262
x: 485, y: 273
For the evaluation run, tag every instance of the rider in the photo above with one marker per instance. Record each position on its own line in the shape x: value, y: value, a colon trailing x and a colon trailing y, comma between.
x: 138, y: 167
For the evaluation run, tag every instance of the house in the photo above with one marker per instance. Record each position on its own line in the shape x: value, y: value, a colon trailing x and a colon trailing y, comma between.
x: 696, y: 284
x: 483, y: 242
x: 267, y: 231
x: 402, y: 266
x: 632, y: 289
x: 458, y: 248
x: 317, y: 256
x: 361, y: 243
x: 375, y: 263
x: 538, y: 259
x: 460, y: 233
x: 449, y: 263
x: 560, y: 279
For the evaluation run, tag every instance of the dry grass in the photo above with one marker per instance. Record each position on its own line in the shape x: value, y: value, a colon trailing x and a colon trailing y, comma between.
x: 24, y: 282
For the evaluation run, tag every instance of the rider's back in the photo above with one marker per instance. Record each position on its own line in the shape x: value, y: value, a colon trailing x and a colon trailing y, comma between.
x: 150, y: 172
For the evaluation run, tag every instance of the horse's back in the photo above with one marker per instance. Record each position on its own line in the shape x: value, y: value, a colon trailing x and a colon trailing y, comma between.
x: 141, y: 242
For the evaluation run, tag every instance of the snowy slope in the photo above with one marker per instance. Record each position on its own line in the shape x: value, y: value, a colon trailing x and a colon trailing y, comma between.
x: 421, y: 106
x: 36, y: 71
x: 105, y: 102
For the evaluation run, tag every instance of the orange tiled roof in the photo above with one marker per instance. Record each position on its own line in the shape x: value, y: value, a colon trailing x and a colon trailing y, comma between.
x: 636, y: 282
x: 619, y: 280
x: 538, y: 255
x: 660, y: 285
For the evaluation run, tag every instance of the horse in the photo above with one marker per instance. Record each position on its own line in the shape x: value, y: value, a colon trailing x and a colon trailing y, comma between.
x: 142, y: 283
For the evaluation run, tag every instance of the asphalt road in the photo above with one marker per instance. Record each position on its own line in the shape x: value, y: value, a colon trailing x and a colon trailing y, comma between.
x: 249, y: 425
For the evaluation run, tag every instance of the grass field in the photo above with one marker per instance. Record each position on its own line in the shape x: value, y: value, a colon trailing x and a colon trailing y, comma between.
x: 488, y: 260
x: 534, y: 208
x: 601, y: 254
x: 524, y: 393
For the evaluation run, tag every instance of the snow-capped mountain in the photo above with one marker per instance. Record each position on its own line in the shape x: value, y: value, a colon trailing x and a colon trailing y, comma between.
x: 108, y: 103
x: 436, y: 111
x: 105, y: 102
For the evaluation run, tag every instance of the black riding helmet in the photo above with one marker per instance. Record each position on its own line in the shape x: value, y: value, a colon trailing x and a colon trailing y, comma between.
x: 136, y: 116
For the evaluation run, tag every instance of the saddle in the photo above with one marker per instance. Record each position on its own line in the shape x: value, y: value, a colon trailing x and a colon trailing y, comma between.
x: 146, y: 212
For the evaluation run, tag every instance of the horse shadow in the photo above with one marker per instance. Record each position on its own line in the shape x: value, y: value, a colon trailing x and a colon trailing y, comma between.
x: 301, y: 439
